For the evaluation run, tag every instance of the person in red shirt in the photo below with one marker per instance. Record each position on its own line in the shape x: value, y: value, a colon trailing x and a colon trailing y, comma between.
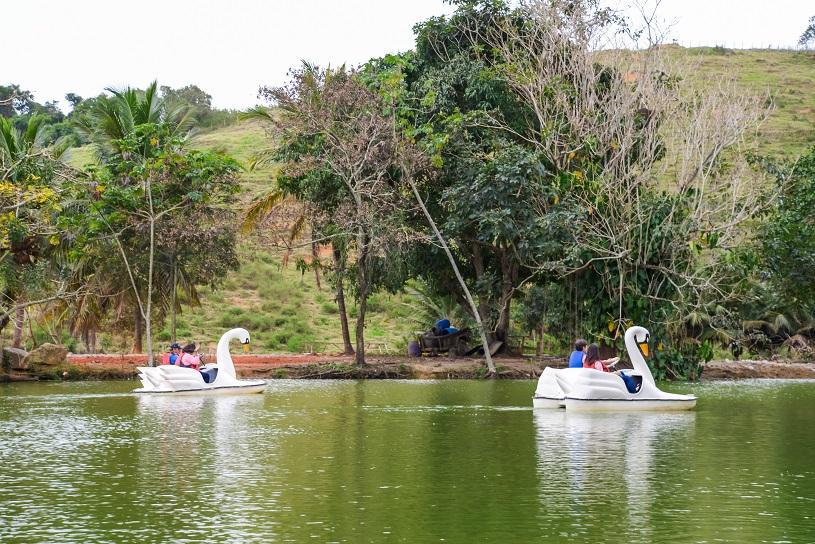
x: 592, y: 359
x: 188, y: 358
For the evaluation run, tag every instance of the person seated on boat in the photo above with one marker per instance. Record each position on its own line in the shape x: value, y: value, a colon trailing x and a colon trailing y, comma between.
x: 593, y: 360
x: 170, y: 357
x: 188, y: 358
x: 579, y: 354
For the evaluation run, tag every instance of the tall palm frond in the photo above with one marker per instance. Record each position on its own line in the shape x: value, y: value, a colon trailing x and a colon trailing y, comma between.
x: 261, y: 207
x: 115, y: 117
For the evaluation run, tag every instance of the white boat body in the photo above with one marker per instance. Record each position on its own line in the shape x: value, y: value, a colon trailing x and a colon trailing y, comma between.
x: 590, y: 390
x: 171, y: 379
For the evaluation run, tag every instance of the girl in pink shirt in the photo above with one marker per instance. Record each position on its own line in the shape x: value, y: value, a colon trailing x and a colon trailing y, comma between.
x: 188, y: 358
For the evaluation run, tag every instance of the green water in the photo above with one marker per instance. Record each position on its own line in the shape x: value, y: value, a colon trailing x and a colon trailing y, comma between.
x: 412, y: 461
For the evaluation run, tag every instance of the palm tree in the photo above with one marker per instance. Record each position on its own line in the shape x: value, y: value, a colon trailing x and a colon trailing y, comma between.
x: 17, y: 144
x: 112, y: 119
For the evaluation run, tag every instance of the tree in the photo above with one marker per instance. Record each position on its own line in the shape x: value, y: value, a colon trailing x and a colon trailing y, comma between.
x: 658, y: 200
x: 290, y: 218
x: 150, y: 182
x: 73, y: 99
x: 30, y: 206
x: 345, y: 151
x: 159, y: 207
x: 190, y: 96
x: 808, y: 36
x: 444, y: 94
x: 339, y: 155
x: 788, y: 238
x: 14, y: 100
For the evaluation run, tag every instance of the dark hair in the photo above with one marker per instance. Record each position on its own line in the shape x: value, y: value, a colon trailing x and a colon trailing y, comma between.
x: 580, y: 344
x: 593, y: 353
x: 189, y: 348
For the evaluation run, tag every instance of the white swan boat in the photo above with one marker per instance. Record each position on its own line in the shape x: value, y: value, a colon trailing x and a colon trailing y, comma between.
x: 188, y: 381
x: 587, y: 389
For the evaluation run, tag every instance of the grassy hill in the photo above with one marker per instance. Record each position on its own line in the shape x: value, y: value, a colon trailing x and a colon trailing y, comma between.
x: 788, y: 77
x: 286, y: 312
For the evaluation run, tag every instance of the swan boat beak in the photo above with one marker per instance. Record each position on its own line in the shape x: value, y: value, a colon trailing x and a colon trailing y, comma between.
x: 644, y: 348
x: 246, y: 346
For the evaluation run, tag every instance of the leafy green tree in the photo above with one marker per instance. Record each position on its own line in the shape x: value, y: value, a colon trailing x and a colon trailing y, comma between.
x: 14, y: 100
x: 446, y: 94
x: 788, y: 238
x: 338, y: 156
x: 162, y: 211
x: 30, y: 206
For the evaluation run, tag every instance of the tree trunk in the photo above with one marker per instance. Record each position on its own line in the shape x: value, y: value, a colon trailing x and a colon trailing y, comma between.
x: 137, y: 330
x: 175, y: 300
x: 148, y: 314
x: 539, y: 346
x: 339, y: 270
x: 443, y: 242
x: 483, y: 303
x: 315, y: 263
x: 362, y: 280
x: 92, y: 340
x: 19, y: 321
x: 508, y: 273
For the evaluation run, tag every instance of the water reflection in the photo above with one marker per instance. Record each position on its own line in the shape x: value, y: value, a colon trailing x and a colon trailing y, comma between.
x: 596, y: 471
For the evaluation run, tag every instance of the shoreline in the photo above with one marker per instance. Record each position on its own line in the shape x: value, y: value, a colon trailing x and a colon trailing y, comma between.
x: 307, y: 366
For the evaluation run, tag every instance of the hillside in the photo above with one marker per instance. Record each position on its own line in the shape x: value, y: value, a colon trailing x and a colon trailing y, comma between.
x: 788, y: 77
x: 287, y: 313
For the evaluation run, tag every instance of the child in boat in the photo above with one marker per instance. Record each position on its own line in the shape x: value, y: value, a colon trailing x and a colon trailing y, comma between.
x: 170, y: 357
x: 188, y: 358
x: 592, y: 359
x: 579, y: 354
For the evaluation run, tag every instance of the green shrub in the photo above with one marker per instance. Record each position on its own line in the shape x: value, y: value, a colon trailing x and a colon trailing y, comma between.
x: 329, y: 308
x: 678, y: 364
x: 298, y: 342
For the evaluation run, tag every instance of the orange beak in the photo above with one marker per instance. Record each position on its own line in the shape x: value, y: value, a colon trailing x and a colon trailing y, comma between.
x: 246, y: 348
x: 644, y: 348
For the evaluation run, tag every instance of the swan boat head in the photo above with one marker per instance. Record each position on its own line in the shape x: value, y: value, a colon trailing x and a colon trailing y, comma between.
x: 636, y: 343
x: 222, y: 354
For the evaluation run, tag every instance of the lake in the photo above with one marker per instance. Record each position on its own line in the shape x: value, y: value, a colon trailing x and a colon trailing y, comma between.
x: 403, y: 461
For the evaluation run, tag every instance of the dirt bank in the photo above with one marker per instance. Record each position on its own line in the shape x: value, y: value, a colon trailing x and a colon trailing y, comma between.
x: 740, y: 370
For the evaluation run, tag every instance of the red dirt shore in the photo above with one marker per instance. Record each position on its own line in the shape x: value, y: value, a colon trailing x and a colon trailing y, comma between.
x: 341, y: 366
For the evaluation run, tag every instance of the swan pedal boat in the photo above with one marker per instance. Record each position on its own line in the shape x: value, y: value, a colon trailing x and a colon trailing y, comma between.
x: 171, y: 379
x: 589, y: 390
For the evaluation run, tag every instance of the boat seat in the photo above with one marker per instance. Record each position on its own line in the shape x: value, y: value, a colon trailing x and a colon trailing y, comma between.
x: 633, y: 382
x: 209, y: 375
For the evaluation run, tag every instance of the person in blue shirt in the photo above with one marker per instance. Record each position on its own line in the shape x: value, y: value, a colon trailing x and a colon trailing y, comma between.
x: 576, y: 358
x: 170, y: 357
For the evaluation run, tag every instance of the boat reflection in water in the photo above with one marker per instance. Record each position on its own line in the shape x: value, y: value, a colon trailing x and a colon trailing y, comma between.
x: 202, y: 465
x: 598, y: 472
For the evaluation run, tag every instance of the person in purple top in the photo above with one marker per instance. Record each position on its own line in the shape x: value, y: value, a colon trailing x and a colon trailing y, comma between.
x: 576, y: 358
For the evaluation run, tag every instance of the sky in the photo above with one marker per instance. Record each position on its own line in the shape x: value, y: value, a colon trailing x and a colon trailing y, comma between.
x: 230, y: 48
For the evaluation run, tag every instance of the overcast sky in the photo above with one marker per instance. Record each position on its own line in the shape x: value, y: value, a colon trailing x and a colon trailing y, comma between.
x: 229, y: 48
